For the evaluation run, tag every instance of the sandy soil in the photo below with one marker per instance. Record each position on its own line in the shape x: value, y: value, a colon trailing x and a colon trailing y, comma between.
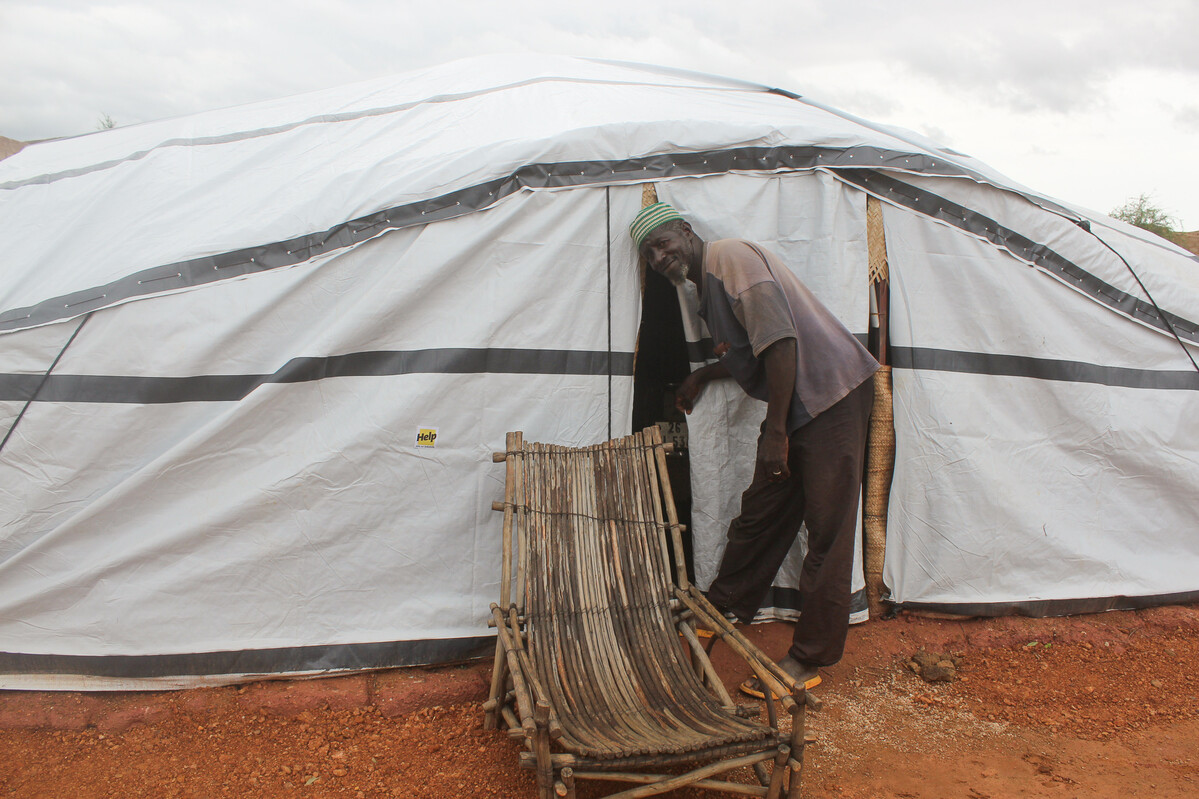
x: 1098, y: 706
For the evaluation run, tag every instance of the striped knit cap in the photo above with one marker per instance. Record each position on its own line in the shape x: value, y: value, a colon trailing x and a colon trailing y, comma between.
x: 651, y: 217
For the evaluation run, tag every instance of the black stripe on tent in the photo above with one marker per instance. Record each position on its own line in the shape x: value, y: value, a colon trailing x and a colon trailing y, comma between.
x: 231, y: 388
x: 1039, y: 608
x: 983, y: 363
x: 210, y: 269
x: 335, y: 657
x: 932, y: 205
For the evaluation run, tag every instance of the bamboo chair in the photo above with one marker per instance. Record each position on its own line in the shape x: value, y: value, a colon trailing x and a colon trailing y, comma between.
x: 598, y: 669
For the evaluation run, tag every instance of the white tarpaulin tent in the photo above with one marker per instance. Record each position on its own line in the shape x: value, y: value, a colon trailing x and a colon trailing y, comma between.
x: 254, y: 362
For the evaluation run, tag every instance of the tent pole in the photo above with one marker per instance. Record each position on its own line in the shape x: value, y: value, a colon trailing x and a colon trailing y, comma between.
x: 880, y: 446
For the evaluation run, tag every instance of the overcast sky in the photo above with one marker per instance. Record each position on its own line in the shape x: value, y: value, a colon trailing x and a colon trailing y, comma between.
x: 1092, y: 102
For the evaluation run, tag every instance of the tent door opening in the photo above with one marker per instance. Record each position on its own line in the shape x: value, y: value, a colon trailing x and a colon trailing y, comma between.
x: 661, y: 365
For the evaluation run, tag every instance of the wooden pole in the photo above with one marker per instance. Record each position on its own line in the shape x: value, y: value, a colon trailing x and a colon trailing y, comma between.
x: 880, y: 447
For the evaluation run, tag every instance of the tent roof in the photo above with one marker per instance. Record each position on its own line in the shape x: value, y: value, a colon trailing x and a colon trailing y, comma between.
x: 166, y: 206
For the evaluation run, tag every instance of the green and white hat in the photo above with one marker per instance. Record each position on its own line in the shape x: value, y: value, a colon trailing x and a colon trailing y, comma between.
x: 651, y: 217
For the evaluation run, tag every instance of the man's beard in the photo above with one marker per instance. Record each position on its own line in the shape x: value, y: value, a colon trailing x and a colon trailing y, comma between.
x: 679, y: 277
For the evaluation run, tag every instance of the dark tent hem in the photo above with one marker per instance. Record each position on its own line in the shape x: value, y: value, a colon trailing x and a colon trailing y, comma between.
x: 1052, y: 607
x: 335, y: 657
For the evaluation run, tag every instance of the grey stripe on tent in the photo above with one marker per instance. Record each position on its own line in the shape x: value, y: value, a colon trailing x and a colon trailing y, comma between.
x: 336, y: 657
x: 983, y: 363
x: 236, y: 263
x: 932, y: 205
x: 231, y: 388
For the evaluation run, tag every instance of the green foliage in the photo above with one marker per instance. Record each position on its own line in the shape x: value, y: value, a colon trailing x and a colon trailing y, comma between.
x: 1142, y: 212
x: 105, y: 122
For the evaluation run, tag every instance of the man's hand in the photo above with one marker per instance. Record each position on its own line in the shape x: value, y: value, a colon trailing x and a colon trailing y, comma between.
x: 688, y: 392
x: 693, y: 385
x: 773, y: 455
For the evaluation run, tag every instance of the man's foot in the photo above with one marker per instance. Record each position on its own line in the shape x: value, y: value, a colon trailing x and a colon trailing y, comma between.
x: 804, y: 674
x: 808, y: 674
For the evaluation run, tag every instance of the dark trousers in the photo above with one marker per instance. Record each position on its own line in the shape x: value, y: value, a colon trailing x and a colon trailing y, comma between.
x: 825, y: 457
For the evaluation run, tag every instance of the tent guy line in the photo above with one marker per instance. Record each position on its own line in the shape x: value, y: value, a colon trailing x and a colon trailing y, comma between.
x: 40, y: 384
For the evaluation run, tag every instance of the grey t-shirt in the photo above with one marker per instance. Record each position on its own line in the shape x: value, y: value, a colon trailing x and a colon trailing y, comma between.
x: 749, y: 300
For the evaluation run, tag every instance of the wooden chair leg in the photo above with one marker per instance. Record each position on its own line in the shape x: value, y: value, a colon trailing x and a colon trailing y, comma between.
x: 545, y: 764
x: 499, y: 682
x: 775, y: 789
x: 798, y: 740
x: 565, y: 786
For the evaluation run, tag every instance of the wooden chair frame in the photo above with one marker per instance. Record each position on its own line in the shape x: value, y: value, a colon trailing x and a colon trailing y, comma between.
x: 598, y: 668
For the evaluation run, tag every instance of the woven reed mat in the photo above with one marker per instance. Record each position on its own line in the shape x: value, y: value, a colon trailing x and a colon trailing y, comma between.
x: 876, y: 240
x: 880, y: 465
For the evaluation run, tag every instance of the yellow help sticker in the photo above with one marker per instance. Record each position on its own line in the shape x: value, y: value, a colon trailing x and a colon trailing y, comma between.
x: 426, y: 437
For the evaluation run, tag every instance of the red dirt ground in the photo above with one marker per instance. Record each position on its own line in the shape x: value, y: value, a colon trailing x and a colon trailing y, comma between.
x: 1095, y: 706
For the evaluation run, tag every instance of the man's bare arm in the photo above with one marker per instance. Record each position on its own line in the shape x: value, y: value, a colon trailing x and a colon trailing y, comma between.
x: 690, y: 389
x: 779, y: 358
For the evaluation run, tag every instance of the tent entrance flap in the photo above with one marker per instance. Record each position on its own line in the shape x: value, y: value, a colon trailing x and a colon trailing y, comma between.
x: 662, y: 364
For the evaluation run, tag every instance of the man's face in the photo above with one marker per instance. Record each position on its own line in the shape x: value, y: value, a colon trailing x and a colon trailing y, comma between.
x: 672, y: 251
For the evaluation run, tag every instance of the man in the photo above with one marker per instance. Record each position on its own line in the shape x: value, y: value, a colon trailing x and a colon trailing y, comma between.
x: 782, y: 346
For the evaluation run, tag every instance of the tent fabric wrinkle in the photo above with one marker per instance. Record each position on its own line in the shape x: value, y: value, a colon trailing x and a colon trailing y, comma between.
x: 310, y: 322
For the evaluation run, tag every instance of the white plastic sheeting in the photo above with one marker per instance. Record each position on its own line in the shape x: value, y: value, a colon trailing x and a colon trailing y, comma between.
x: 818, y: 226
x: 306, y: 514
x: 1013, y: 490
x: 266, y: 306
